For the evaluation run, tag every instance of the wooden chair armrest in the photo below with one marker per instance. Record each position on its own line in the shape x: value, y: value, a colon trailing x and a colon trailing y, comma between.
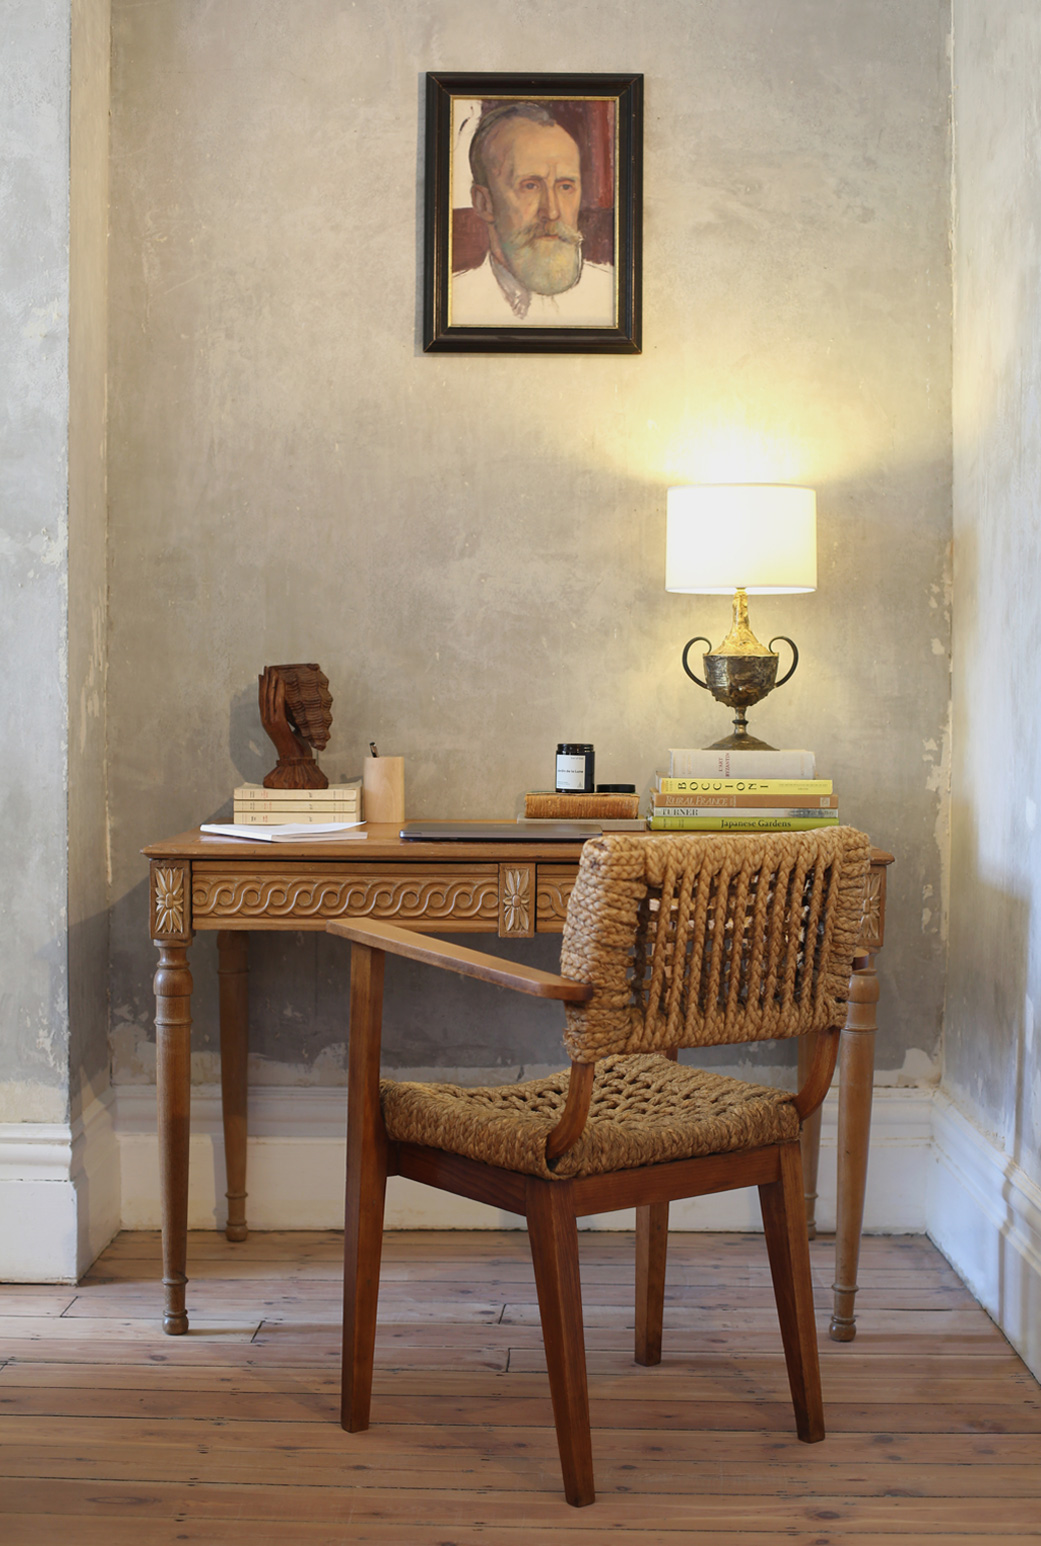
x: 576, y: 1109
x: 457, y: 958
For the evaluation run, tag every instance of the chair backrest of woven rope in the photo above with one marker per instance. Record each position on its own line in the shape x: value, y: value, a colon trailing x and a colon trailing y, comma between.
x: 697, y: 940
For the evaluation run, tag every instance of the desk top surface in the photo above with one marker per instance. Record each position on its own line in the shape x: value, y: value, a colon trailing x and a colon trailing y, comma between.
x: 383, y: 843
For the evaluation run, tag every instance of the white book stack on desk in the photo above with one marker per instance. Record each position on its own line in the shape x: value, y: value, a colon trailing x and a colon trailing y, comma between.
x: 255, y: 806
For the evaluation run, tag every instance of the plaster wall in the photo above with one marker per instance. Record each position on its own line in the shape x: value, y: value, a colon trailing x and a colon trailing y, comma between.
x: 473, y: 547
x: 992, y: 1064
x: 34, y: 345
x: 88, y: 580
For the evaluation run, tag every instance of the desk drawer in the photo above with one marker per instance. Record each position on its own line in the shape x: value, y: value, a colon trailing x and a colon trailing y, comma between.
x: 441, y: 897
x: 553, y: 887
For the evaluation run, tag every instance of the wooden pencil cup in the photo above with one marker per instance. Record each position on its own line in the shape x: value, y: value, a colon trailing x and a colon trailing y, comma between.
x: 383, y: 789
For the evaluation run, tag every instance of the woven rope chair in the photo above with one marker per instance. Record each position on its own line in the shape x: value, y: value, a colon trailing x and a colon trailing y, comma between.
x: 669, y: 942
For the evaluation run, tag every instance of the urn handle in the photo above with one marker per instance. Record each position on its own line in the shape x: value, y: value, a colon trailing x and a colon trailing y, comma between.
x: 795, y: 656
x: 701, y: 640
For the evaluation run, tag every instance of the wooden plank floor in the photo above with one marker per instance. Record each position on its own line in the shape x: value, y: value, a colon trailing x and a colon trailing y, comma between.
x: 112, y: 1433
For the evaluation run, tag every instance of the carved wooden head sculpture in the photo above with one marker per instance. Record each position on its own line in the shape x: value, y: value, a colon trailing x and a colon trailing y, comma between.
x: 296, y: 711
x: 309, y: 703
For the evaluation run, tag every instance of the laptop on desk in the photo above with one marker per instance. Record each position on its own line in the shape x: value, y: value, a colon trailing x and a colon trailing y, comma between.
x: 501, y: 831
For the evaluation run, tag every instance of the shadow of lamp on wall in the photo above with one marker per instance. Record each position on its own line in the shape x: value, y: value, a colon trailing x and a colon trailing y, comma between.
x: 744, y: 538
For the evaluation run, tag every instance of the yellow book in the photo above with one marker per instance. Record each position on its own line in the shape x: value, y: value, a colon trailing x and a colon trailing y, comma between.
x: 816, y: 786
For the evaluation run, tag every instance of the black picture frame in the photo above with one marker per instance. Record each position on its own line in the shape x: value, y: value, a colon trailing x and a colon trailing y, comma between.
x: 603, y: 115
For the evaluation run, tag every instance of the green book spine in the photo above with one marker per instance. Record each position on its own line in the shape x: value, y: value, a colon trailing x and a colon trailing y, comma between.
x: 735, y: 823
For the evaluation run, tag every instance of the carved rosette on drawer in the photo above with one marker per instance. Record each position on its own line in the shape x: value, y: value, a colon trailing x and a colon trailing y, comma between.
x: 872, y: 924
x: 169, y: 900
x: 553, y: 887
x: 440, y: 897
x: 516, y: 900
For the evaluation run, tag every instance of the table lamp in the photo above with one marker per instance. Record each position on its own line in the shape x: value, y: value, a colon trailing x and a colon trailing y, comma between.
x: 758, y: 538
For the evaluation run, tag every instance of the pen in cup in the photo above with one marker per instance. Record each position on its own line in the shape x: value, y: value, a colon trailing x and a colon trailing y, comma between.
x: 383, y: 787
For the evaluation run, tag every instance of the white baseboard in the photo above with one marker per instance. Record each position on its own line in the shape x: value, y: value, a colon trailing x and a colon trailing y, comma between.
x: 59, y: 1195
x: 984, y: 1213
x: 295, y: 1170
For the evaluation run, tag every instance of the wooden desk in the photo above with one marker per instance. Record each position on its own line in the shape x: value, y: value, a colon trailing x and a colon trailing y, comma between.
x: 515, y: 890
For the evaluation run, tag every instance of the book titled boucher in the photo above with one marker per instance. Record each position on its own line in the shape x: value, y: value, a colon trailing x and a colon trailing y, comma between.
x: 788, y: 787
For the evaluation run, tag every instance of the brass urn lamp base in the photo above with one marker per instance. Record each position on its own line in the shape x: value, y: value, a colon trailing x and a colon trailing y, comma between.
x: 739, y: 672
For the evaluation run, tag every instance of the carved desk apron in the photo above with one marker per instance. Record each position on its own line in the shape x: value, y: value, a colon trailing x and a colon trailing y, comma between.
x: 515, y: 890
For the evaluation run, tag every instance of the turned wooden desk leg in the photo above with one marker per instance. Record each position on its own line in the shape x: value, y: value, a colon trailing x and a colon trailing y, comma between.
x: 173, y: 1026
x: 233, y: 970
x: 810, y: 1142
x: 856, y: 1080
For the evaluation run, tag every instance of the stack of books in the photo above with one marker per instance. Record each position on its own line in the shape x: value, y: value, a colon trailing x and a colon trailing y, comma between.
x: 766, y: 791
x: 743, y: 805
x: 256, y: 806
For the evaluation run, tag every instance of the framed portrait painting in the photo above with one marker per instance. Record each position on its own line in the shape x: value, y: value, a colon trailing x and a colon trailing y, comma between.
x: 533, y: 205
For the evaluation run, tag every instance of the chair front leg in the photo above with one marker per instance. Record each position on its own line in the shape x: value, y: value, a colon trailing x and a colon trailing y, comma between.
x: 784, y: 1219
x: 553, y: 1235
x: 652, y: 1240
x: 366, y: 1188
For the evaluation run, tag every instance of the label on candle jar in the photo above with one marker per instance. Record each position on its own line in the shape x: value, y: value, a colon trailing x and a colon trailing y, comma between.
x: 574, y: 767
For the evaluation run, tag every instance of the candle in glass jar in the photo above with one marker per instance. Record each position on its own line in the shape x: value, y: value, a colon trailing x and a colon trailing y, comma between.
x: 575, y: 764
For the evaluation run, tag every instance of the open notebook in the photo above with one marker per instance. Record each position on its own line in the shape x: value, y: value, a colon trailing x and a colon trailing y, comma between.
x: 291, y: 832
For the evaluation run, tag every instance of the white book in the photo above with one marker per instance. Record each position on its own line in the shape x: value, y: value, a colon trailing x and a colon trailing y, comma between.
x: 708, y: 762
x: 291, y: 832
x: 248, y: 817
x: 307, y: 799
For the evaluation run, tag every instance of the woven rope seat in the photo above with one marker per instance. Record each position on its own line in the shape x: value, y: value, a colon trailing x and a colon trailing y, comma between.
x: 644, y: 1110
x: 729, y: 938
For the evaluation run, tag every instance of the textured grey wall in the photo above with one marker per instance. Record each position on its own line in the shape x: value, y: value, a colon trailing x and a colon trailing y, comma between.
x: 54, y: 104
x: 34, y: 342
x: 88, y: 549
x: 473, y: 547
x: 992, y: 1055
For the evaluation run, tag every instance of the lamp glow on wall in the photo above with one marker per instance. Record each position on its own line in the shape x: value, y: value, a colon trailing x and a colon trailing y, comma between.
x: 749, y: 539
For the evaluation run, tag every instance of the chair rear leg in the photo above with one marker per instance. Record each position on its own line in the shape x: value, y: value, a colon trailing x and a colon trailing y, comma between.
x: 652, y: 1239
x: 784, y: 1219
x: 553, y: 1234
